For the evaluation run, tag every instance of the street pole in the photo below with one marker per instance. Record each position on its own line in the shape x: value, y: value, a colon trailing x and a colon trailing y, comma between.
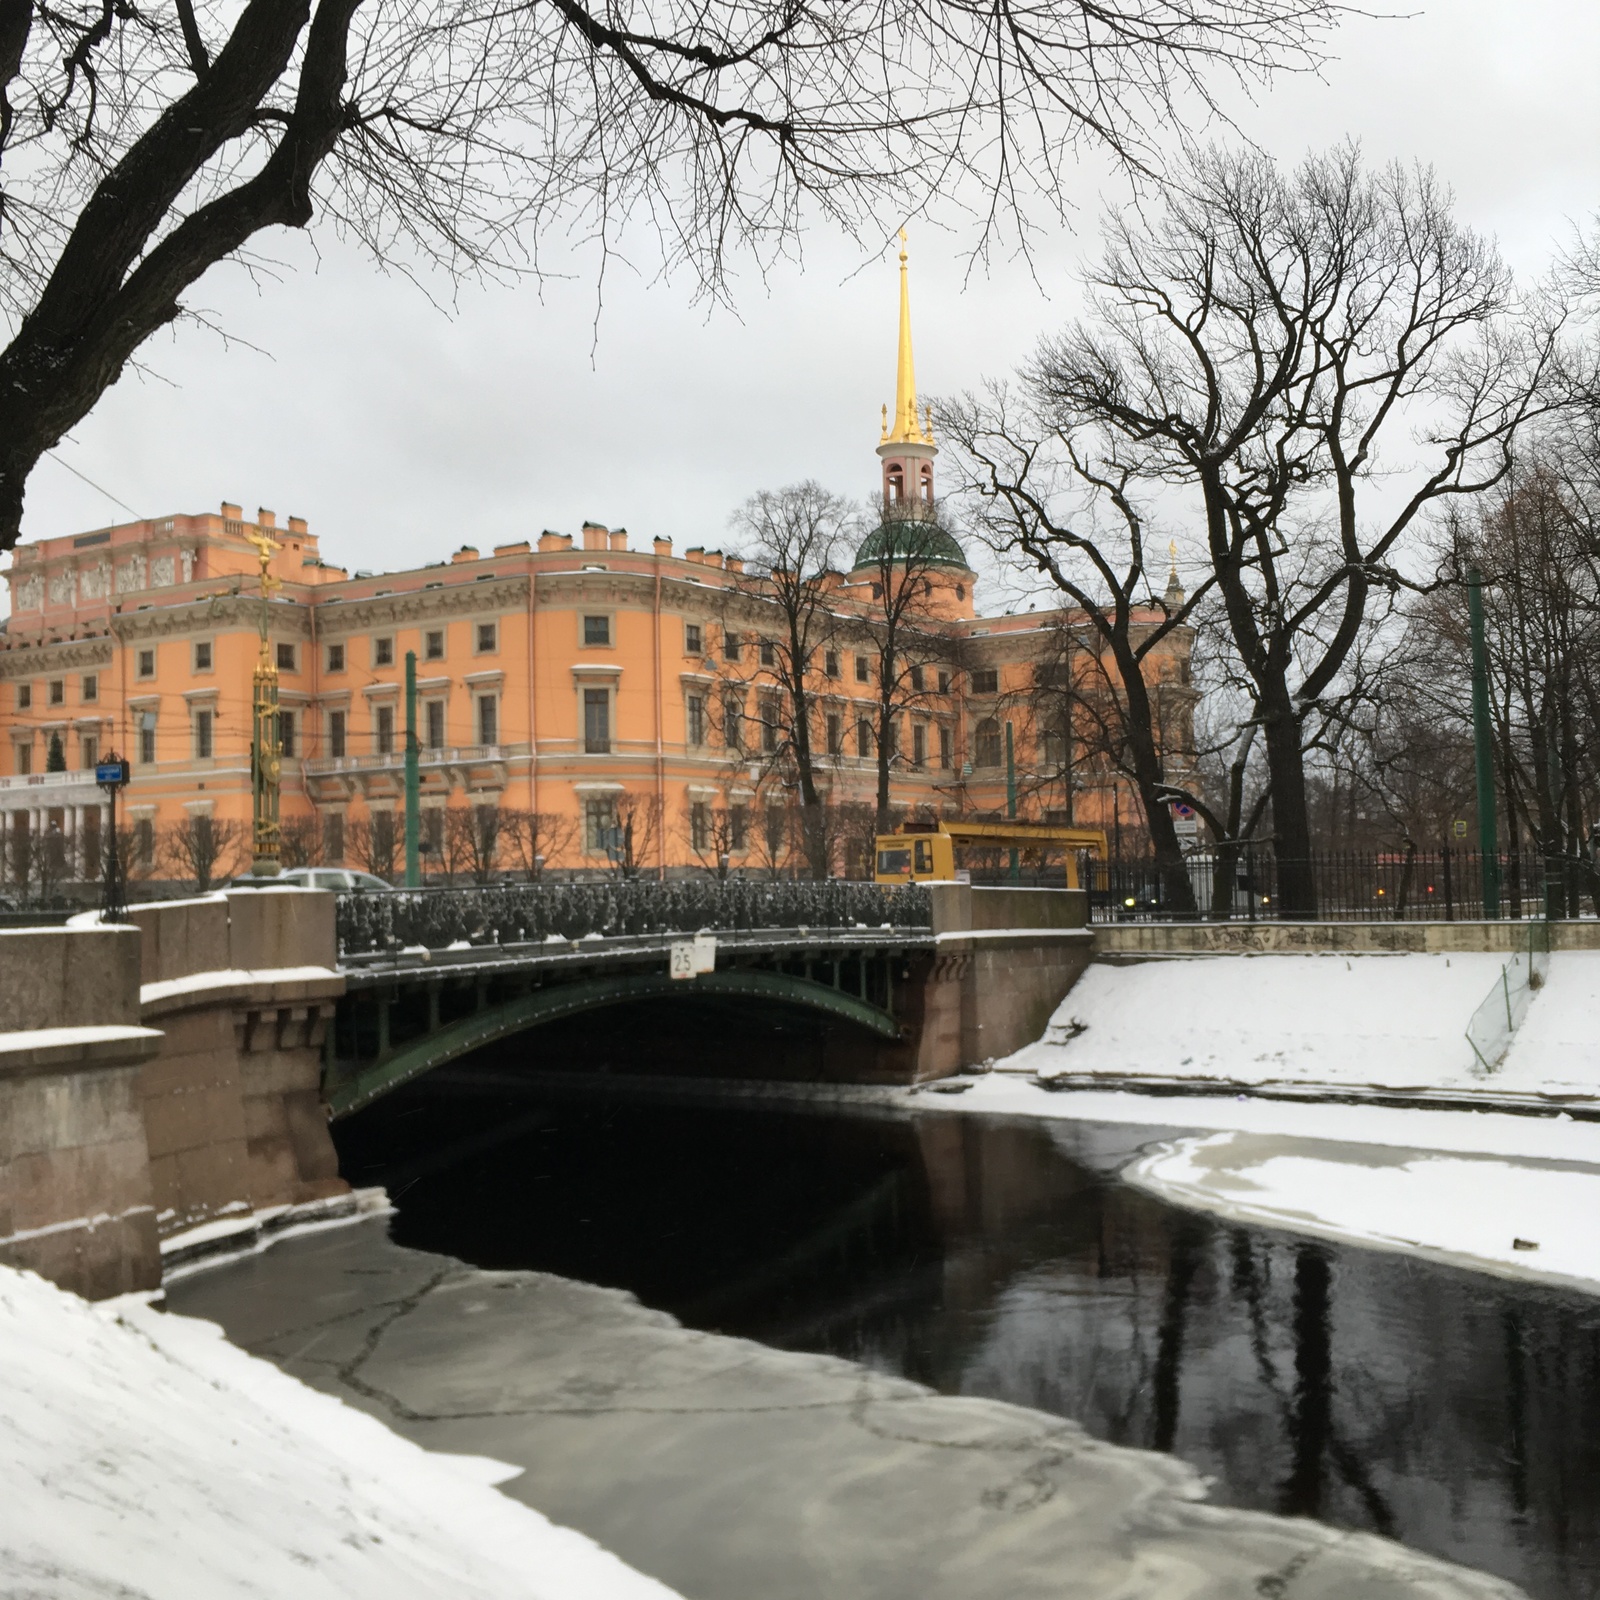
x: 1483, y: 749
x: 413, y: 781
x: 1011, y: 796
x: 112, y: 775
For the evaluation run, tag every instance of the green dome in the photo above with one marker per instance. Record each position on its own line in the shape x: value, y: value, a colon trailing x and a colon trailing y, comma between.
x: 911, y: 538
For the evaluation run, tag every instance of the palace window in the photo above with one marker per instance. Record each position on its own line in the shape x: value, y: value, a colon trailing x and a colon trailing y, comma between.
x: 202, y: 655
x: 733, y: 718
x: 986, y: 743
x: 599, y: 826
x: 985, y: 680
x: 383, y: 652
x: 433, y: 644
x: 24, y: 764
x: 144, y: 842
x: 285, y: 658
x: 730, y: 645
x: 203, y: 721
x: 916, y: 679
x: 738, y: 826
x: 919, y: 744
x: 944, y: 681
x: 336, y: 734
x: 700, y: 826
x: 835, y: 734
x: 769, y: 653
x: 863, y: 737
x: 695, y: 718
x: 91, y: 687
x: 333, y: 837
x: 830, y: 663
x: 597, y: 630
x: 946, y: 749
x: 863, y: 670
x: 89, y: 751
x: 58, y: 691
x: 597, y: 721
x: 433, y: 724
x: 693, y: 639
x: 286, y: 733
x: 488, y: 638
x: 335, y: 658
x: 383, y: 730
x: 147, y: 738
x: 771, y: 716
x: 25, y: 695
x: 488, y: 719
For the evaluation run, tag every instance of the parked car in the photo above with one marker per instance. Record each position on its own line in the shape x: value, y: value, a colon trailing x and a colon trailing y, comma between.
x: 342, y: 880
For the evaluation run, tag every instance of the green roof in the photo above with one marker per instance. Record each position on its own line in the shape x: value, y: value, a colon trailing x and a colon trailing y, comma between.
x: 911, y: 538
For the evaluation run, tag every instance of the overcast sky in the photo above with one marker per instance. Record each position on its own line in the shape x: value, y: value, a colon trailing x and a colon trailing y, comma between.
x: 402, y: 433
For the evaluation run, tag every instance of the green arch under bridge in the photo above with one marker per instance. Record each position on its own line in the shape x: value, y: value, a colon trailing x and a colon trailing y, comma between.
x: 351, y: 1084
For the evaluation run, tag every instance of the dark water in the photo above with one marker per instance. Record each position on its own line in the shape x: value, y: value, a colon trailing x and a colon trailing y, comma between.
x: 1455, y: 1412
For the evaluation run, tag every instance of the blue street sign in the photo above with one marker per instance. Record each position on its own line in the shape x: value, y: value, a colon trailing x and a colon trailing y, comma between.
x: 111, y: 774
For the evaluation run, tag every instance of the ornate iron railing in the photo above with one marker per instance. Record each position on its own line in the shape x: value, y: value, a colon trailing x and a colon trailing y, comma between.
x: 436, y: 919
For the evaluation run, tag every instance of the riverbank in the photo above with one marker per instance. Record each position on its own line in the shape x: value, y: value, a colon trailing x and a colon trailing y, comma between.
x: 732, y: 1469
x: 148, y: 1458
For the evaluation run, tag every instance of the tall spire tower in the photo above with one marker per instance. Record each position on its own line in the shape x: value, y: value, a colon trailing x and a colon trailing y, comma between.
x: 906, y: 448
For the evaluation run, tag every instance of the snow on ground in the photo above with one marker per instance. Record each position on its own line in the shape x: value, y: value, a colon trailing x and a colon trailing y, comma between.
x: 1513, y: 1218
x: 1395, y: 1021
x: 147, y: 1458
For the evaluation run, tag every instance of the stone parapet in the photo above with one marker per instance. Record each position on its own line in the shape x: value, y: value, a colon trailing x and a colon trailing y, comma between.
x: 75, y: 1198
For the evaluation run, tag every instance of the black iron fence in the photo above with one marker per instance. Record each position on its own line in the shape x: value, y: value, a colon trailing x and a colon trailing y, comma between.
x: 1442, y: 885
x: 517, y: 913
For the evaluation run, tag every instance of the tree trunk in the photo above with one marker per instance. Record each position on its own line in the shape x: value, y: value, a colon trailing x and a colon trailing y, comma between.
x: 1291, y: 826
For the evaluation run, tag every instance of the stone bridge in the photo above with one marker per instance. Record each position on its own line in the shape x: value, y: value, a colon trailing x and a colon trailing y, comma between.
x: 168, y: 1084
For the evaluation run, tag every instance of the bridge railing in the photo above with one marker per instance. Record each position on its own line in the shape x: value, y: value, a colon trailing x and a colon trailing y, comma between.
x: 436, y: 919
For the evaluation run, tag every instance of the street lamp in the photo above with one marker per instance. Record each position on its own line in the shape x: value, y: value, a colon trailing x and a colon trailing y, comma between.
x: 112, y: 776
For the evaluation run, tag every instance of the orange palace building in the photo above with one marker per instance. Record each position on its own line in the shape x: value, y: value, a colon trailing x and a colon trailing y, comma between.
x: 571, y: 678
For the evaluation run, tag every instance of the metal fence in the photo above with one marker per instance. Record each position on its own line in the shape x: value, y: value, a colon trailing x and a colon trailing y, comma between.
x: 517, y: 913
x: 1442, y: 885
x: 1500, y: 1014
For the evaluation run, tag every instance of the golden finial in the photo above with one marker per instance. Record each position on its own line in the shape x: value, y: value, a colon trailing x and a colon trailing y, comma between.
x: 1172, y: 553
x: 885, y: 433
x: 906, y: 428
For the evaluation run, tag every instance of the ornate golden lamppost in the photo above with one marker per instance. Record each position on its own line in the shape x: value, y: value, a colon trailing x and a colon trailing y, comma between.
x: 266, y: 749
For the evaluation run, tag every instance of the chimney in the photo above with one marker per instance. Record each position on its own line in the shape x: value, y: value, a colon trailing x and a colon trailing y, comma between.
x: 734, y: 563
x: 695, y: 553
x: 555, y: 541
x: 466, y: 553
x: 266, y: 519
x: 712, y: 558
x: 297, y: 525
x: 517, y: 549
x: 619, y: 538
x: 595, y: 535
x: 231, y: 511
x: 663, y: 547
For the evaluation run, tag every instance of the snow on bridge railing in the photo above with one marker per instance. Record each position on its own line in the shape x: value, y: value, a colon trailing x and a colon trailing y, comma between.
x: 517, y: 913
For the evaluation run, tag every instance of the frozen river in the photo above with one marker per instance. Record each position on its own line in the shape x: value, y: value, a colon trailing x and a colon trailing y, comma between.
x: 1455, y: 1413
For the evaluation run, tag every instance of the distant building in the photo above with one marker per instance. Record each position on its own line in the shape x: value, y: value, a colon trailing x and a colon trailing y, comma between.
x: 605, y: 690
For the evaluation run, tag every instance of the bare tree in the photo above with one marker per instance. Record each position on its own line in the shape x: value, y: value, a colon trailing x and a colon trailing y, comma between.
x: 202, y: 849
x: 794, y: 538
x: 143, y: 145
x: 633, y: 833
x: 899, y: 615
x: 533, y: 839
x: 714, y: 834
x: 474, y: 839
x: 1077, y: 519
x: 300, y: 841
x: 1267, y: 341
x: 373, y: 843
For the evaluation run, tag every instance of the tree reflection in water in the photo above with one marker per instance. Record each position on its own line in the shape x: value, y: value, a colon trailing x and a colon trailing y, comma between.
x: 1456, y: 1412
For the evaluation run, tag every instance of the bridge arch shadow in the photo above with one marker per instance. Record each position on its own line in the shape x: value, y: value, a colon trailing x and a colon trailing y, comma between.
x: 352, y: 1085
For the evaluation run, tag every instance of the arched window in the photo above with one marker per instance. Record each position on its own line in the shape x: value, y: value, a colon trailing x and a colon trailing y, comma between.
x: 986, y: 743
x: 927, y: 482
x: 897, y: 483
x: 961, y: 591
x: 1055, y: 743
x: 863, y: 737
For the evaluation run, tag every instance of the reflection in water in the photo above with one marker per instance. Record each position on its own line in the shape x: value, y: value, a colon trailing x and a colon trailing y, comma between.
x: 1456, y: 1412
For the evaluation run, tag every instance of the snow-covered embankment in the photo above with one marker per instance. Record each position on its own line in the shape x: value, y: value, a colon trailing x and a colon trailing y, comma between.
x: 145, y: 1456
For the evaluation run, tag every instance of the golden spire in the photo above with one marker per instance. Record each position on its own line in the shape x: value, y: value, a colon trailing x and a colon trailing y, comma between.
x: 907, y: 428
